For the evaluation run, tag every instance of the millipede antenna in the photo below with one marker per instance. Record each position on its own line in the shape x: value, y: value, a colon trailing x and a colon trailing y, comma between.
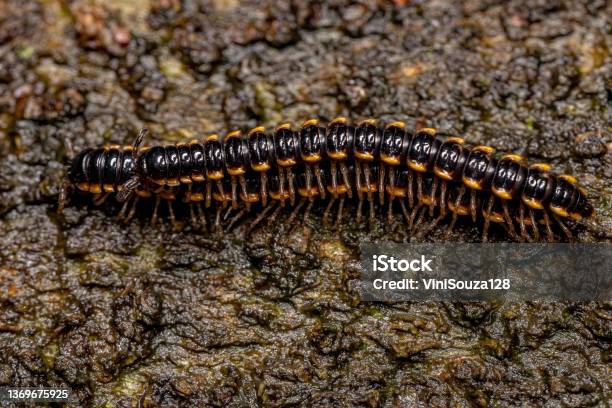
x: 138, y: 141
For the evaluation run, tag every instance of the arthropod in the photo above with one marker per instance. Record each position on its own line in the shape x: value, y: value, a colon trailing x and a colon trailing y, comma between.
x: 413, y: 170
x: 102, y: 172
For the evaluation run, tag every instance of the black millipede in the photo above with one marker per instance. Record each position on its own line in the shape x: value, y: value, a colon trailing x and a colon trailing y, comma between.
x: 416, y: 171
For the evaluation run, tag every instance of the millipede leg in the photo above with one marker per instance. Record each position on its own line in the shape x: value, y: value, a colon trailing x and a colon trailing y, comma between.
x: 442, y: 214
x: 221, y: 192
x: 410, y: 189
x: 261, y: 216
x: 192, y: 216
x: 234, y: 192
x: 487, y: 220
x: 295, y: 211
x: 367, y: 174
x: 308, y: 171
x: 227, y: 213
x: 235, y: 218
x: 327, y: 211
x: 549, y: 233
x: 124, y: 208
x: 208, y: 194
x: 132, y: 210
x: 264, y: 188
x: 99, y: 199
x: 290, y: 184
x: 155, y: 209
x: 243, y: 185
x: 171, y: 214
x: 308, y: 208
x: 419, y: 179
x: 564, y: 228
x: 425, y: 230
x: 509, y: 220
x: 405, y: 210
x: 451, y: 225
x: 523, y: 229
x: 371, y: 207
x: 392, y: 176
x: 358, y: 180
x: 317, y: 172
x: 340, y: 208
x: 456, y: 209
x: 443, y: 198
x: 534, y: 224
x: 381, y: 184
x: 334, y: 180
x: 459, y: 196
x: 274, y: 215
x: 281, y: 185
x: 359, y: 207
x: 434, y: 188
x: 455, y: 212
x: 187, y: 197
x: 413, y: 214
x: 347, y: 180
x: 415, y: 222
x: 201, y: 215
x: 217, y: 226
x: 473, y: 209
x: 391, y: 196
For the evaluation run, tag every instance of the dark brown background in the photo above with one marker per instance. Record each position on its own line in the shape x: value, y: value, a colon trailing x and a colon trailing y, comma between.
x: 128, y: 315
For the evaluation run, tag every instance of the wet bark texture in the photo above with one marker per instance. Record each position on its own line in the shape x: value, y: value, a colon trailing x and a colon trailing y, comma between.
x: 137, y: 314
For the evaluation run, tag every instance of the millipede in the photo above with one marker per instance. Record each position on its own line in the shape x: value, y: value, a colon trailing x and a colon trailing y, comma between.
x: 418, y: 172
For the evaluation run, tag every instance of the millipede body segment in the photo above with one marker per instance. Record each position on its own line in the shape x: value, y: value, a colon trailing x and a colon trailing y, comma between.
x: 414, y: 171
